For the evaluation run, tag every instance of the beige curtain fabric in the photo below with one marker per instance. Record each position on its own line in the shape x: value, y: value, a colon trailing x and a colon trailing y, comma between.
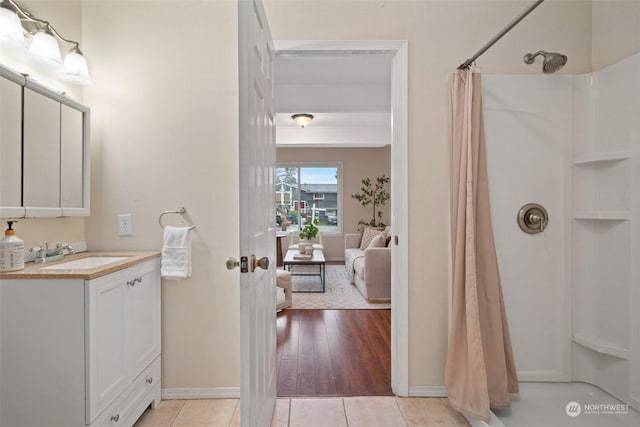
x: 480, y: 371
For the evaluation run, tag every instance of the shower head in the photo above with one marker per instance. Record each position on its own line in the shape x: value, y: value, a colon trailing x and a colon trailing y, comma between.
x: 552, y: 61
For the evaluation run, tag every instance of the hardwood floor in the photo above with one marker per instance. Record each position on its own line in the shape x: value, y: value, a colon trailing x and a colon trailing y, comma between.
x: 334, y: 353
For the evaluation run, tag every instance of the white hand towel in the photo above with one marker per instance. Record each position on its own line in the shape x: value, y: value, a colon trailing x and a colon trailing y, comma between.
x: 176, y: 253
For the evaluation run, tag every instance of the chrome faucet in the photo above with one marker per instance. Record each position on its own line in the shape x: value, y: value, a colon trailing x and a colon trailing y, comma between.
x: 61, y: 247
x: 44, y: 254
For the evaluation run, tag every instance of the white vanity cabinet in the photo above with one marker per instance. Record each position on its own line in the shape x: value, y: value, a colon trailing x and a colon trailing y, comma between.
x: 80, y: 352
x: 124, y: 333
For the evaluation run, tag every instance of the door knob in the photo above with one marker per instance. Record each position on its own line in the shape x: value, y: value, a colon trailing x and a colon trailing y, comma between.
x: 232, y: 263
x: 263, y: 263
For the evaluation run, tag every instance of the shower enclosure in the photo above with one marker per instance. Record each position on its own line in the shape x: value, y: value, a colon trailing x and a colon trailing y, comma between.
x: 572, y: 291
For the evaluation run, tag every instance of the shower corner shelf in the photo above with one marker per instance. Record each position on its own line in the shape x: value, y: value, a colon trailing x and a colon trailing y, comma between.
x: 613, y: 156
x: 601, y: 346
x: 603, y: 215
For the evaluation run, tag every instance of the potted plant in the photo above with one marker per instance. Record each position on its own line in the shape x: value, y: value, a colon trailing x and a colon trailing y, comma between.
x: 375, y: 195
x: 308, y: 233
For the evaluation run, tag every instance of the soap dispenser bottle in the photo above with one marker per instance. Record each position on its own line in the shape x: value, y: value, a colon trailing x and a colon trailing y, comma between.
x: 11, y: 250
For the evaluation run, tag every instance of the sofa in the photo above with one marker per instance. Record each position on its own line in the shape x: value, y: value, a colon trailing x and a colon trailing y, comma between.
x: 369, y: 269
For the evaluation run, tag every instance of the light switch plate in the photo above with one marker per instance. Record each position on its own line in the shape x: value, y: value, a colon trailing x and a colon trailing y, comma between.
x: 125, y: 225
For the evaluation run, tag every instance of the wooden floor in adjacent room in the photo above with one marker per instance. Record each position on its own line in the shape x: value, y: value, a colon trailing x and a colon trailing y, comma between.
x: 334, y: 353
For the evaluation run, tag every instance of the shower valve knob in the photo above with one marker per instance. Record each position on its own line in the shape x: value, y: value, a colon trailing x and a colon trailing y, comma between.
x: 533, y: 218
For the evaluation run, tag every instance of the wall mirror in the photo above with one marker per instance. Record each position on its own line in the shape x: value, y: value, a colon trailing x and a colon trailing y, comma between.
x: 44, y: 150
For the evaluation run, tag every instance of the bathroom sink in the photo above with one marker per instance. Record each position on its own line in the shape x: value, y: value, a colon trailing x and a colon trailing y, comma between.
x: 86, y: 263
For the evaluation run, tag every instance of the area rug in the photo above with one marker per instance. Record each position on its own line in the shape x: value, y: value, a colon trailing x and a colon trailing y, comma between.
x: 339, y: 293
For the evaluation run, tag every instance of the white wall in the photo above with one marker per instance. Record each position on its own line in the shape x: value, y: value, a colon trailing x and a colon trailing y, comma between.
x: 615, y: 31
x: 165, y: 134
x: 528, y: 136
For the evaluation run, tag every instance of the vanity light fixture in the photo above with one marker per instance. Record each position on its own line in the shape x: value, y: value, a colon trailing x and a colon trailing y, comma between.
x: 44, y: 48
x: 302, y: 119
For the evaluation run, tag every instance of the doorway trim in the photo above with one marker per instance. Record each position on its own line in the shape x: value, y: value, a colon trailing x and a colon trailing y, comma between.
x: 399, y: 185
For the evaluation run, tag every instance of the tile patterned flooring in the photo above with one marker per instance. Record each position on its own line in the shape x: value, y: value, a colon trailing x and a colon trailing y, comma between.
x: 383, y: 411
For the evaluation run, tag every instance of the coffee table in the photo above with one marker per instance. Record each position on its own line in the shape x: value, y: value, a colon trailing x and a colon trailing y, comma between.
x: 317, y: 258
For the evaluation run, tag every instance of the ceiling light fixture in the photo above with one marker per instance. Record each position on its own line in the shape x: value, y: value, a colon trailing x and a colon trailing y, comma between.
x: 44, y: 48
x: 302, y: 119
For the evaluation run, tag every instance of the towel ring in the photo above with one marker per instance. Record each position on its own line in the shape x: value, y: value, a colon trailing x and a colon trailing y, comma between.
x: 178, y: 211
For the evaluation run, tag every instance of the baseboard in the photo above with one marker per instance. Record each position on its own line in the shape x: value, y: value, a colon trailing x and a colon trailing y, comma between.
x: 201, y: 393
x: 427, y: 391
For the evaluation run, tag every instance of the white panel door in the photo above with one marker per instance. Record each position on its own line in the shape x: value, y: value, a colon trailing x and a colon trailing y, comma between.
x: 257, y: 225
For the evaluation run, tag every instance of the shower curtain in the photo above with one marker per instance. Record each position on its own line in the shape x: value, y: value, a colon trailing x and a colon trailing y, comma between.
x: 480, y: 371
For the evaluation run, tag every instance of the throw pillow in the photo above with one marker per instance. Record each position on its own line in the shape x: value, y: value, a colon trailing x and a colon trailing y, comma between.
x: 367, y: 236
x: 378, y: 242
x: 388, y: 234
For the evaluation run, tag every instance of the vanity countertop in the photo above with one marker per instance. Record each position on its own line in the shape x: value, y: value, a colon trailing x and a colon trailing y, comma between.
x: 35, y: 271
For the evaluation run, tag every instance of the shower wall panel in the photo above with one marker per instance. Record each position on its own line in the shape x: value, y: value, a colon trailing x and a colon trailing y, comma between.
x: 528, y: 121
x: 606, y: 235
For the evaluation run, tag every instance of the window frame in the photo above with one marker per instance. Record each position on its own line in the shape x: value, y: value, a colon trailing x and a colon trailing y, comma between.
x: 339, y: 204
